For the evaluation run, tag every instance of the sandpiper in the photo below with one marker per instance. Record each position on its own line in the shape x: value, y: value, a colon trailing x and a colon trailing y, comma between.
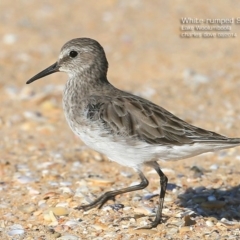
x: 126, y: 128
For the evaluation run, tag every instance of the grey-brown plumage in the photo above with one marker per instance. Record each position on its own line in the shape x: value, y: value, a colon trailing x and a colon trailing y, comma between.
x: 128, y: 129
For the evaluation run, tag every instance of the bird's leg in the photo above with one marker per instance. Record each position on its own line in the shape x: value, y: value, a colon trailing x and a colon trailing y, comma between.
x: 111, y: 194
x: 163, y: 184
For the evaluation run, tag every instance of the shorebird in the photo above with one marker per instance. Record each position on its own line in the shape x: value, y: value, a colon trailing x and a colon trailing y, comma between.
x: 128, y: 129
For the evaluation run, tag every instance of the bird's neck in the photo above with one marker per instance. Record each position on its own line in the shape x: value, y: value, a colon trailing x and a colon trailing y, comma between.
x: 83, y: 86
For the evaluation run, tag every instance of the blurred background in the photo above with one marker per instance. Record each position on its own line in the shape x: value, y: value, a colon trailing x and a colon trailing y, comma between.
x: 194, y: 78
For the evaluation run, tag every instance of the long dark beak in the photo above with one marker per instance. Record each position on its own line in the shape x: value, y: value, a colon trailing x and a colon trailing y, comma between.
x: 52, y: 69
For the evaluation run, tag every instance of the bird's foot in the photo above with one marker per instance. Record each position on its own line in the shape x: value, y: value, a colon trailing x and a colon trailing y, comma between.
x: 151, y: 225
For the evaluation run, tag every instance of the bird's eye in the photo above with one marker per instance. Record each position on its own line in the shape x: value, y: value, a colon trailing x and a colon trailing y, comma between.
x: 73, y: 54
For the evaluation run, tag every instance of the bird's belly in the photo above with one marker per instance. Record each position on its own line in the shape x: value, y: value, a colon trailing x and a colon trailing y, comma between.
x: 118, y: 149
x: 132, y: 153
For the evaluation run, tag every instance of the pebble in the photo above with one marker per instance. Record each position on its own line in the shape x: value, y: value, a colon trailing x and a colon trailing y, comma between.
x: 147, y: 92
x: 9, y: 38
x: 209, y: 223
x: 27, y: 208
x: 75, y: 165
x: 44, y: 165
x: 27, y: 126
x: 128, y: 208
x: 126, y: 174
x: 97, y: 156
x: 68, y: 237
x: 56, y: 235
x: 188, y: 212
x: 221, y: 226
x: 149, y: 196
x: 45, y: 129
x: 22, y: 168
x: 172, y: 187
x: 172, y: 231
x: 143, y: 231
x: 198, y: 171
x: 214, y: 167
x: 26, y: 93
x: 16, y: 229
x: 100, y: 226
x: 82, y: 183
x: 199, y: 189
x: 37, y: 213
x: 211, y: 198
x: 143, y: 210
x: 132, y: 220
x: 188, y: 221
x: 33, y: 191
x: 168, y: 171
x: 107, y: 208
x: 137, y: 198
x: 34, y: 115
x: 168, y: 199
x: 2, y: 224
x: 66, y: 190
x: 53, y: 184
x: 194, y: 78
x: 23, y: 57
x: 4, y: 205
x: 184, y: 229
x: 227, y: 222
x: 12, y: 91
x: 198, y: 200
x: 42, y: 203
x: 50, y: 195
x: 65, y: 184
x: 71, y: 223
x: 213, y: 204
x: 15, y: 119
x: 48, y: 106
x: 62, y: 204
x: 179, y: 215
x: 25, y: 179
x: 117, y: 206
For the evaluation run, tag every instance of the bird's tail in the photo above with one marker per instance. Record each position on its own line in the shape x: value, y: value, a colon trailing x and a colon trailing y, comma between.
x: 234, y: 141
x: 225, y: 144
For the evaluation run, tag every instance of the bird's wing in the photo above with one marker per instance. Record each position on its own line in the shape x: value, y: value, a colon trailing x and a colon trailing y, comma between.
x: 136, y: 117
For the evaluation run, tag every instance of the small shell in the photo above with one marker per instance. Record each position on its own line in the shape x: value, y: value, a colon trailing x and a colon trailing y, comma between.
x: 16, y: 229
x: 60, y: 211
x: 49, y: 216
